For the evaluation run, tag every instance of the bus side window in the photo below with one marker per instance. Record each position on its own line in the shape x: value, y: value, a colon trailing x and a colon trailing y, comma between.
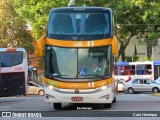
x: 140, y: 72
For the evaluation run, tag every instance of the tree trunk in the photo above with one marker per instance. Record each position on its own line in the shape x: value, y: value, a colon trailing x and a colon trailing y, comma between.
x: 123, y: 46
x: 149, y: 51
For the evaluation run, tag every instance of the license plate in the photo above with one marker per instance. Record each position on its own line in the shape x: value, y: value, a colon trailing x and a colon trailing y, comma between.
x: 77, y: 98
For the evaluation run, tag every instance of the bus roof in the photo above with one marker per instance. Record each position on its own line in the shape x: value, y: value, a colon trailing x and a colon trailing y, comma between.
x: 12, y: 49
x: 156, y: 62
x: 71, y: 9
x: 122, y: 63
x: 141, y: 62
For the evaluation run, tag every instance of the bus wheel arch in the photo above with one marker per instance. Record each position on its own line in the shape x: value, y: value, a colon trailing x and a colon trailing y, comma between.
x: 130, y: 90
x: 155, y: 90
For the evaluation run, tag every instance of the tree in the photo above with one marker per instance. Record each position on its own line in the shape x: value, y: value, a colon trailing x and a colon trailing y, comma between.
x: 36, y: 13
x: 137, y: 18
x: 12, y: 28
x: 151, y: 19
x: 129, y: 22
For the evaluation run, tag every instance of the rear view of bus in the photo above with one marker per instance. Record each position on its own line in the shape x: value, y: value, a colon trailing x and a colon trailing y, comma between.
x: 13, y: 71
x: 78, y: 56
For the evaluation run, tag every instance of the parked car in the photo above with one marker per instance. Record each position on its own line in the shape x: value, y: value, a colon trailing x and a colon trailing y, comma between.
x: 141, y: 85
x: 34, y: 88
x: 157, y: 80
x: 121, y: 83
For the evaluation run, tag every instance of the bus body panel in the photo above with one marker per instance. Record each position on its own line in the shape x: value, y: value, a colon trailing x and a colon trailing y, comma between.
x: 104, y: 96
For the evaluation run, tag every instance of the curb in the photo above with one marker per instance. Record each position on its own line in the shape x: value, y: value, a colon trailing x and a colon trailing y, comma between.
x: 156, y: 94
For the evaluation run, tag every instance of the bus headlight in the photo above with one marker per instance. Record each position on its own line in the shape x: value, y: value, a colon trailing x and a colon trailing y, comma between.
x: 50, y: 87
x: 104, y: 87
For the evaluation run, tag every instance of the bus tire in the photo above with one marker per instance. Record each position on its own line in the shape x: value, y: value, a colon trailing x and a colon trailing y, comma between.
x: 155, y: 90
x: 41, y: 92
x: 130, y: 90
x: 114, y: 100
x: 57, y: 105
x: 107, y: 105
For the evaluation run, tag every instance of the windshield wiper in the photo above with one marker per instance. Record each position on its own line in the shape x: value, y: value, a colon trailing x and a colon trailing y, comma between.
x: 57, y: 75
x: 95, y: 75
x: 69, y: 76
x: 61, y: 75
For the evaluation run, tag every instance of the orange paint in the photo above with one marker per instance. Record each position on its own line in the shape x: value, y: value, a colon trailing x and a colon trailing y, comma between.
x: 78, y: 85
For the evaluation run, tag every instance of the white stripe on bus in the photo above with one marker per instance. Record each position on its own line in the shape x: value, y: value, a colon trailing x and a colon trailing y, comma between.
x: 92, y: 42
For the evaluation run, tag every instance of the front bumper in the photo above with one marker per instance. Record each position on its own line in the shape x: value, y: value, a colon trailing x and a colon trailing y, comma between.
x: 88, y: 96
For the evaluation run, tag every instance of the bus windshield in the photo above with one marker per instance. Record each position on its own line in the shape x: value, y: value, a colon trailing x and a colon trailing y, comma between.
x: 8, y: 59
x: 79, y: 26
x: 78, y: 62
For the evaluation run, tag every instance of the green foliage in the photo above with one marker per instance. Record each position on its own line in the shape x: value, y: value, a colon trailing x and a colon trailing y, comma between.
x: 135, y: 58
x: 12, y: 29
x: 137, y: 18
x: 36, y: 12
x: 153, y: 35
x: 143, y: 59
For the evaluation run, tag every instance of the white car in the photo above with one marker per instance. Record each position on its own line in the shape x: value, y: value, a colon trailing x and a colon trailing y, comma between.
x: 34, y: 88
x: 141, y: 85
x: 157, y: 80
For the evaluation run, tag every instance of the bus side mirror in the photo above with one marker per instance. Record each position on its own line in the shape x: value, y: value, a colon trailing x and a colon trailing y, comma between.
x: 114, y: 45
x: 38, y: 45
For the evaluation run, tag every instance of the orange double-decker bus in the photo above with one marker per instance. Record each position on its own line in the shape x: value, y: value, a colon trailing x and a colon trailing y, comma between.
x: 79, y: 50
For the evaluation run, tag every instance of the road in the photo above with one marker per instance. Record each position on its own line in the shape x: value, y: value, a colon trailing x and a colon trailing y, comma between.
x: 136, y: 104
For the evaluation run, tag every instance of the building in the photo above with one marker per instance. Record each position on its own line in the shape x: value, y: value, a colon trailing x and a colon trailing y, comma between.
x: 136, y: 48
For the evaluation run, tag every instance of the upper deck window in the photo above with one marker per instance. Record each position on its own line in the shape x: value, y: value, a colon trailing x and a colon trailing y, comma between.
x: 75, y: 25
x: 62, y: 24
x: 96, y: 24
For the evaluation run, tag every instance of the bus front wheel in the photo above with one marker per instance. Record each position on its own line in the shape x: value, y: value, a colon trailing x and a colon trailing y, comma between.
x: 57, y: 105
